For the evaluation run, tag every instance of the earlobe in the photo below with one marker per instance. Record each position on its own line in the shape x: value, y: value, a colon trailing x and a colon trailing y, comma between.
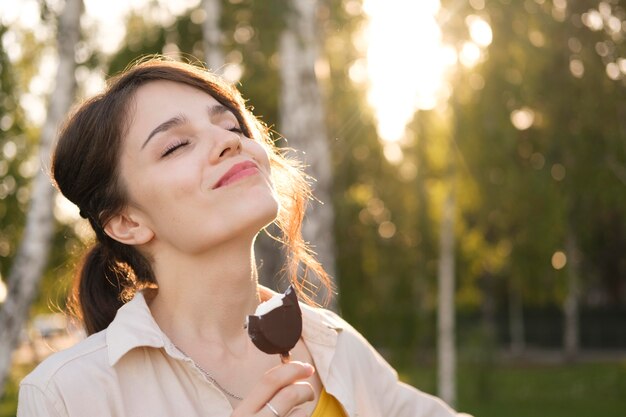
x: 125, y: 229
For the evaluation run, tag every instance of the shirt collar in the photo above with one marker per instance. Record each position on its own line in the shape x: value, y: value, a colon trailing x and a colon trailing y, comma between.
x: 133, y: 327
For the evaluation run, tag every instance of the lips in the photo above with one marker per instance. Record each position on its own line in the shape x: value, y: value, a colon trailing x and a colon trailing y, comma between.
x: 237, y: 172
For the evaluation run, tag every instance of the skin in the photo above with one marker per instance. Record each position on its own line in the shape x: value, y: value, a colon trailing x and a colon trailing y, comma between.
x: 200, y: 240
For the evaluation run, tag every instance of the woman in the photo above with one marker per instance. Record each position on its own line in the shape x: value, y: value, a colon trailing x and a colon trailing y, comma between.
x: 177, y: 177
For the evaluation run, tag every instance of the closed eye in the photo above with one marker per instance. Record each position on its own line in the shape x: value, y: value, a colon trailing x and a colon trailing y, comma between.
x: 174, y: 146
x: 236, y: 129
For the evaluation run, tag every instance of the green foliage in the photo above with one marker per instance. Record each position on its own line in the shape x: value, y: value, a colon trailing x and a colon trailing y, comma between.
x: 14, y: 145
x: 561, y: 175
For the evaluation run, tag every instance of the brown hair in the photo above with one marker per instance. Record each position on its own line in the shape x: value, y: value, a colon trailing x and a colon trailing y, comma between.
x: 85, y: 168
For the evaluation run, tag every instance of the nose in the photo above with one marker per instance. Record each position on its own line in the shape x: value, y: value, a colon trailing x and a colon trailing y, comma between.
x: 226, y: 144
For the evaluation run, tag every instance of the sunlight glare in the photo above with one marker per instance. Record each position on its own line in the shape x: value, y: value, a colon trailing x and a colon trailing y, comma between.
x: 559, y: 260
x: 523, y: 118
x: 479, y: 30
x: 393, y: 152
x: 3, y: 290
x: 406, y: 62
x: 469, y: 55
x: 65, y: 211
x: 24, y: 13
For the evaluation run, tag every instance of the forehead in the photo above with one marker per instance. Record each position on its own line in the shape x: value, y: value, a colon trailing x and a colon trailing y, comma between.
x: 158, y: 99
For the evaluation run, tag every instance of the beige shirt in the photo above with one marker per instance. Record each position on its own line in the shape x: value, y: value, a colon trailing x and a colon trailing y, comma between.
x: 133, y: 369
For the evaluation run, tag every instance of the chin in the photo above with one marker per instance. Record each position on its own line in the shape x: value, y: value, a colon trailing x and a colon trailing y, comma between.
x: 250, y: 211
x: 267, y: 211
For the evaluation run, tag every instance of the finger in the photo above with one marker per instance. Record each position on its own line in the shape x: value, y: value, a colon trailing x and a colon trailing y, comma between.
x: 297, y: 412
x: 273, y: 410
x: 272, y: 382
x: 288, y: 398
x: 279, y: 377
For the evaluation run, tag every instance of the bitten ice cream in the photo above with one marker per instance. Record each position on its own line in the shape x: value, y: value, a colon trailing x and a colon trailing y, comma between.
x: 276, y: 325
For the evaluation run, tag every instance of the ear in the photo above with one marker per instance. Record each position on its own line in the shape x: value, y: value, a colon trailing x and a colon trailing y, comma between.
x: 128, y: 228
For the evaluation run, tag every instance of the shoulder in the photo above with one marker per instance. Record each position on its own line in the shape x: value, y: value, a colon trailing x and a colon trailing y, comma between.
x: 361, y: 376
x: 72, y: 364
x: 78, y: 381
x: 329, y: 328
x: 316, y: 316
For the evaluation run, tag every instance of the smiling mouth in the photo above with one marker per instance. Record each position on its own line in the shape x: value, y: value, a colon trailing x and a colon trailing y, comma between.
x: 237, y: 172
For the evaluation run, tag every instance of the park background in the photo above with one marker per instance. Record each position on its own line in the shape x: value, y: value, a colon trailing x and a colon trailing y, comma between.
x: 470, y: 165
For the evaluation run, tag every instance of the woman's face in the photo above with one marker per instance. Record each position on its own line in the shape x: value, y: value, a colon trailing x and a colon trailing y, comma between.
x: 191, y: 176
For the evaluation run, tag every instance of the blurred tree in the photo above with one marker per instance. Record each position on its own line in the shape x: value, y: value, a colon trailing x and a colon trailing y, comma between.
x: 446, y: 347
x: 537, y: 141
x: 302, y: 122
x: 212, y: 35
x: 15, y: 166
x: 32, y: 255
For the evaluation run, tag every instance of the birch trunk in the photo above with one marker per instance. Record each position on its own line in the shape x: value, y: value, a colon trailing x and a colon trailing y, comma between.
x: 516, y: 318
x: 446, y: 324
x: 212, y: 35
x: 571, y: 339
x: 32, y: 254
x: 302, y: 123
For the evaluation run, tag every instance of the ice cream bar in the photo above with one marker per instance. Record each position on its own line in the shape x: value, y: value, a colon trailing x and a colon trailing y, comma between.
x: 276, y: 326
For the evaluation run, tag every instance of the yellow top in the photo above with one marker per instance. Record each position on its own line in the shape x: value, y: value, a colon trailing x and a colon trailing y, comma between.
x: 328, y: 406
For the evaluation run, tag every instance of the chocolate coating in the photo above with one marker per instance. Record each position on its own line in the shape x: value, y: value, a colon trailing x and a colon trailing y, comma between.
x: 277, y: 331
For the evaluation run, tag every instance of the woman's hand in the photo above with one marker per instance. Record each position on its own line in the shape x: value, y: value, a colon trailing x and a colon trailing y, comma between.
x: 282, y: 387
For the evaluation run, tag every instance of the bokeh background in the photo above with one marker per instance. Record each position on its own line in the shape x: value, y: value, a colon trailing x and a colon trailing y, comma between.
x: 470, y: 159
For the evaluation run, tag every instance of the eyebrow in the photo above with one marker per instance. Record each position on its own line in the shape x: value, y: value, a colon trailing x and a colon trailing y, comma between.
x: 167, y: 125
x: 218, y: 110
x: 175, y: 121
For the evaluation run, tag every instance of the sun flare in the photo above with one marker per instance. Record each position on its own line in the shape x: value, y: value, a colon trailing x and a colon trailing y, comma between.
x: 406, y: 62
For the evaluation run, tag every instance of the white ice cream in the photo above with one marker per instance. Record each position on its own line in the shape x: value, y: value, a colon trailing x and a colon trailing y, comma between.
x: 269, y: 305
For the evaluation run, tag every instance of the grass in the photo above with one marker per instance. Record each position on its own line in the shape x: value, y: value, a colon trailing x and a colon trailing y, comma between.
x: 573, y: 390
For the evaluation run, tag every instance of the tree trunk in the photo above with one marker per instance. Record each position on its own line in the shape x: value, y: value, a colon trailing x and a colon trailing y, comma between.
x: 516, y: 318
x: 571, y: 340
x: 270, y: 258
x: 446, y: 310
x: 488, y: 339
x: 303, y: 125
x: 32, y: 254
x: 212, y: 35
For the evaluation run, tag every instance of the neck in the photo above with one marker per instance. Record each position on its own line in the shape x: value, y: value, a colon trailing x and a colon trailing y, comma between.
x: 205, y: 299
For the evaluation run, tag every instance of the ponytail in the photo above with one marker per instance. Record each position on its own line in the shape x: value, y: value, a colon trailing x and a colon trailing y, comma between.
x: 110, y: 275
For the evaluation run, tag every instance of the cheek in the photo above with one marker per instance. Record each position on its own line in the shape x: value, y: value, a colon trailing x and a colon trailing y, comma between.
x: 160, y: 191
x: 260, y: 153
